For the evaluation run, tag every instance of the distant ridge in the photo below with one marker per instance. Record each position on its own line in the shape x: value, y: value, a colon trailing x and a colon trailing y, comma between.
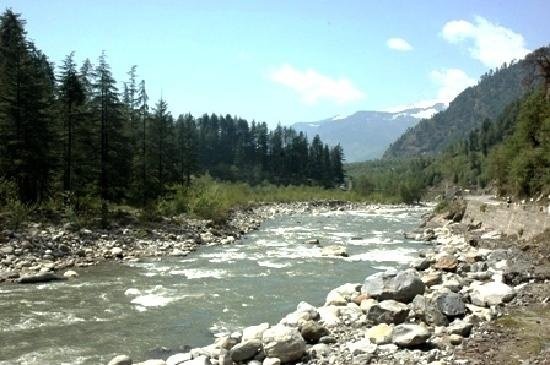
x: 365, y: 135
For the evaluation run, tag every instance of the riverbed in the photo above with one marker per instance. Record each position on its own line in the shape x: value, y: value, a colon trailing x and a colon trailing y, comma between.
x: 139, y: 308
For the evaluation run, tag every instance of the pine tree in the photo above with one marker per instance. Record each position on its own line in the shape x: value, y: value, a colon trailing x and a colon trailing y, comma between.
x: 26, y: 99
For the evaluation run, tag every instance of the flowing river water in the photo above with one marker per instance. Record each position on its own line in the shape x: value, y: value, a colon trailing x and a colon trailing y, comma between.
x: 135, y: 308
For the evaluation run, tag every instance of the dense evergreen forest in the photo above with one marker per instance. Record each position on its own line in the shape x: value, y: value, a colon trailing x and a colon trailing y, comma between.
x: 487, y: 100
x: 71, y: 132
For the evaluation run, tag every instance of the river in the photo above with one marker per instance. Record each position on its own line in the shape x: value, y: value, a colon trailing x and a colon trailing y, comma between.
x: 138, y: 308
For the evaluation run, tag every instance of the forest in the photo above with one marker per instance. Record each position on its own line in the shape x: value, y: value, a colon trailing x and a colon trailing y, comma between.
x: 69, y: 135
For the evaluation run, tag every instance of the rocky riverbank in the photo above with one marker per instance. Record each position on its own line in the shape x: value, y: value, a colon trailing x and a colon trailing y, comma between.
x: 44, y: 252
x: 441, y: 310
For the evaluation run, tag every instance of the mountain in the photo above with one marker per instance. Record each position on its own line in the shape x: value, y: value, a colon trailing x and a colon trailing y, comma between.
x: 366, y: 134
x: 469, y: 109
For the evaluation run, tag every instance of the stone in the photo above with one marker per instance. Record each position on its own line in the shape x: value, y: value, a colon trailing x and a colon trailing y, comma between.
x: 7, y: 250
x: 199, y: 360
x: 335, y: 298
x: 271, y: 361
x: 493, y: 293
x: 117, y: 252
x: 446, y: 263
x: 312, y: 331
x: 70, y: 274
x: 363, y: 346
x: 121, y: 360
x: 461, y: 328
x: 41, y: 277
x: 245, y: 350
x: 410, y: 335
x: 401, y: 286
x: 334, y: 250
x: 158, y: 362
x: 329, y: 315
x: 313, y: 241
x: 420, y: 264
x: 432, y: 278
x: 450, y: 304
x: 388, y: 311
x: 380, y: 334
x: 359, y: 298
x: 455, y: 339
x: 254, y: 332
x: 428, y: 312
x: 178, y: 359
x: 319, y: 350
x: 284, y: 343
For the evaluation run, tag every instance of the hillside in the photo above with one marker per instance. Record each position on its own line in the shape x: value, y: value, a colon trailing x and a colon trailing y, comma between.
x: 468, y: 110
x: 510, y: 154
x: 365, y: 135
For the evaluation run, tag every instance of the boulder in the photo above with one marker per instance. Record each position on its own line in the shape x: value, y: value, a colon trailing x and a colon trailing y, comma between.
x: 410, y: 335
x: 450, y: 304
x: 388, y: 311
x: 121, y: 360
x: 493, y: 293
x: 319, y: 350
x: 313, y: 241
x: 157, y: 362
x: 380, y: 334
x: 117, y: 252
x: 312, y: 331
x: 334, y: 250
x: 178, y: 359
x: 245, y: 350
x: 428, y: 312
x: 363, y: 346
x: 401, y: 286
x: 271, y: 361
x: 432, y: 278
x: 335, y: 298
x: 460, y: 327
x: 329, y: 315
x: 70, y: 274
x: 284, y: 343
x: 254, y: 332
x: 41, y: 277
x: 446, y: 263
x: 199, y: 360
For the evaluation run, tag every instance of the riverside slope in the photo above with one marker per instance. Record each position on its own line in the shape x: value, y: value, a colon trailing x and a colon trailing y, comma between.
x: 423, y: 315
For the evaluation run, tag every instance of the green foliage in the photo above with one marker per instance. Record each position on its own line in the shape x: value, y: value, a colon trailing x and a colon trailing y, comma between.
x: 392, y: 180
x: 210, y: 199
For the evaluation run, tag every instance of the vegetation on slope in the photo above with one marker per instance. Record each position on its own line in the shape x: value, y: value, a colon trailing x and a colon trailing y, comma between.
x: 469, y: 109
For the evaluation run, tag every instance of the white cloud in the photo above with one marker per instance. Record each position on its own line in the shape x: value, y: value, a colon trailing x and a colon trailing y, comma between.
x: 313, y: 86
x: 493, y: 44
x: 399, y: 44
x: 449, y: 82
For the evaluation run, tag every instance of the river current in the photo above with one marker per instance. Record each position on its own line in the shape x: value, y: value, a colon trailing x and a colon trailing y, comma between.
x: 173, y: 302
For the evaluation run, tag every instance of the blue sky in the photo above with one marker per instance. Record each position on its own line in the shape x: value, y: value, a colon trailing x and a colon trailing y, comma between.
x: 287, y: 61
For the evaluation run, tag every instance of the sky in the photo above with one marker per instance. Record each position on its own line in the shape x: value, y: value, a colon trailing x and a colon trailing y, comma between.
x: 284, y: 61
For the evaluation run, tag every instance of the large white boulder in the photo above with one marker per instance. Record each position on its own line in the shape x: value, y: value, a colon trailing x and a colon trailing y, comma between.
x: 284, y: 343
x: 401, y: 286
x: 493, y: 293
x: 254, y: 332
x: 409, y: 335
